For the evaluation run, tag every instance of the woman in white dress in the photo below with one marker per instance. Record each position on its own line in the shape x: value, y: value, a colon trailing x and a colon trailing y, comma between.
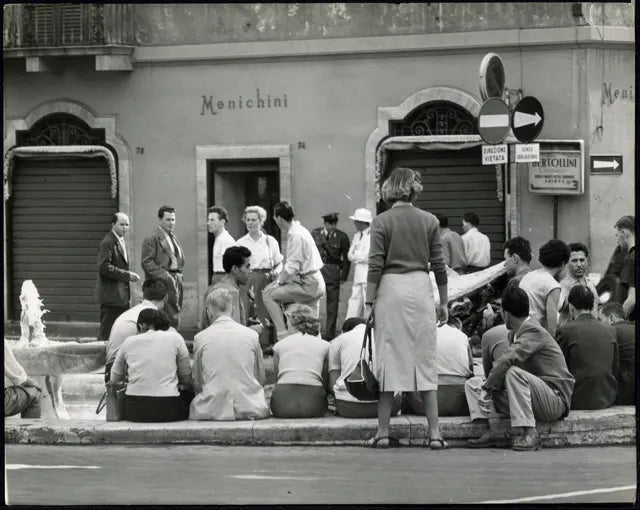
x: 266, y: 262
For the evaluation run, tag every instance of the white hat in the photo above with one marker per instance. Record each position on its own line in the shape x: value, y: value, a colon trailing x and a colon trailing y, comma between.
x: 362, y: 215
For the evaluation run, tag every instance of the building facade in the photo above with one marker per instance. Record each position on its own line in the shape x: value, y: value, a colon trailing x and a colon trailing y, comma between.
x: 129, y: 107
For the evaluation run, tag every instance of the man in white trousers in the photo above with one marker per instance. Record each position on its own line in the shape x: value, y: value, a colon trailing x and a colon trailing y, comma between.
x: 359, y: 256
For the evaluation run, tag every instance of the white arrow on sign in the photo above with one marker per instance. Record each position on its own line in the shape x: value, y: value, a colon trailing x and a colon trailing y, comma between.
x: 494, y: 121
x: 523, y: 119
x: 606, y: 164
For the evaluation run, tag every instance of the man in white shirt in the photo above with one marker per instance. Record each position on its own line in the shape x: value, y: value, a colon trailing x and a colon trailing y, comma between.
x: 21, y: 395
x: 344, y: 354
x: 300, y: 281
x: 154, y: 293
x: 477, y: 247
x: 228, y: 370
x: 359, y: 256
x: 217, y: 218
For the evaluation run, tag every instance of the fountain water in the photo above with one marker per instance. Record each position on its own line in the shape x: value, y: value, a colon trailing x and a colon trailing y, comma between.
x: 46, y: 361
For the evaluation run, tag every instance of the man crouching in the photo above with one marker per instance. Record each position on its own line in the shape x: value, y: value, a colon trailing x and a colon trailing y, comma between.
x: 530, y: 382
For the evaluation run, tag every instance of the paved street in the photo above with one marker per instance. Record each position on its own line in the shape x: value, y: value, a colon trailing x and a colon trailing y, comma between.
x: 192, y: 474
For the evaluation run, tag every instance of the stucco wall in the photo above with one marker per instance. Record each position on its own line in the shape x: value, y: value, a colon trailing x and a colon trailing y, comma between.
x: 332, y: 108
x: 168, y: 24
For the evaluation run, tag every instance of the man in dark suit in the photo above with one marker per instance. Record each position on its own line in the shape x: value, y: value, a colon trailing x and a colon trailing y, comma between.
x: 613, y: 313
x: 333, y: 245
x: 112, y: 287
x: 591, y: 351
x: 163, y: 259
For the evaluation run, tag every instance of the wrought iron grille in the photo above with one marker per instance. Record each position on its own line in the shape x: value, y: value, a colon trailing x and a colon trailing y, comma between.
x: 61, y: 129
x: 435, y: 118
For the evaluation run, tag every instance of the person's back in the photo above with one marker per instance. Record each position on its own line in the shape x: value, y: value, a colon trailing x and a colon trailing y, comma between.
x: 344, y: 354
x: 538, y: 284
x: 228, y: 373
x: 151, y: 363
x: 590, y: 349
x: 123, y: 327
x: 453, y: 249
x: 626, y: 373
x: 300, y: 359
x: 453, y: 355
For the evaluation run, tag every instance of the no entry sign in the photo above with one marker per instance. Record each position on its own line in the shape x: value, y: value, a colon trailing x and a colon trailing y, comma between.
x: 528, y: 119
x: 493, y: 121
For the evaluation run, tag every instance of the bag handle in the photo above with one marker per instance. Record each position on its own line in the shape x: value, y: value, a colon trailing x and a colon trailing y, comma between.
x: 102, y: 403
x: 367, y: 341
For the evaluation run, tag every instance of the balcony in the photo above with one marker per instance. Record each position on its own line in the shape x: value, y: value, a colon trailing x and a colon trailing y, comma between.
x: 45, y: 35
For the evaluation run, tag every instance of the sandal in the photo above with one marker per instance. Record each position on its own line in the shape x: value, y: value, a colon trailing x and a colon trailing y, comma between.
x: 438, y: 444
x: 374, y: 442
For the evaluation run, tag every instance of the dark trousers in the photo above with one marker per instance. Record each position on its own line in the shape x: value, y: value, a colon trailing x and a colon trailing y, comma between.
x: 331, y: 275
x: 108, y: 315
x: 157, y: 409
x: 348, y: 409
x: 451, y: 401
x: 298, y: 401
x: 20, y: 400
x: 173, y: 306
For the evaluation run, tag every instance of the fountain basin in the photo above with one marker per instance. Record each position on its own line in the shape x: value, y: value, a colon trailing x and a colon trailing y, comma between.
x: 59, y: 358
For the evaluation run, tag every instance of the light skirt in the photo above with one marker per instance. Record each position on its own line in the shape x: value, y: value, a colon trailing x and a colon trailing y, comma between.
x: 405, y: 333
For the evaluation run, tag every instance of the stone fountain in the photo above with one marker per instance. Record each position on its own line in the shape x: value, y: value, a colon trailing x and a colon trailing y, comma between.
x: 46, y: 361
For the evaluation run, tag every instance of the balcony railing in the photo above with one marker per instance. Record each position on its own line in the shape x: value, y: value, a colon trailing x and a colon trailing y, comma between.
x: 32, y: 26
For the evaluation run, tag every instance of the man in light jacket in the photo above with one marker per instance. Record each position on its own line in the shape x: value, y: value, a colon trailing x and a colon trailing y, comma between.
x: 359, y: 256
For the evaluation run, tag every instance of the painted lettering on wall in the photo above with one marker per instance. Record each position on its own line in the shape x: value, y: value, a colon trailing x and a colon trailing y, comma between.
x: 214, y: 105
x: 611, y: 94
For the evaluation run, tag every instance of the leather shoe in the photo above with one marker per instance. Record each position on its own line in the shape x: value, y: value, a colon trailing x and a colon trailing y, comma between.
x: 529, y: 441
x: 491, y: 440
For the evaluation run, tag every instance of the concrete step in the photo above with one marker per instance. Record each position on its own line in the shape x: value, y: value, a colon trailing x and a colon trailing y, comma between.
x: 613, y: 426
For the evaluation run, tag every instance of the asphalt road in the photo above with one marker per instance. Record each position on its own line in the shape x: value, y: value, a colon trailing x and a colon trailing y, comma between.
x: 201, y: 474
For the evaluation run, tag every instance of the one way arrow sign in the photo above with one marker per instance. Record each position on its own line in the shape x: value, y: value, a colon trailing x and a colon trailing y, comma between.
x: 524, y: 119
x: 606, y: 164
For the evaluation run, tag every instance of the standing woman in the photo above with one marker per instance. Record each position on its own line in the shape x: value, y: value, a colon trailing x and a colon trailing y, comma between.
x: 404, y: 240
x: 266, y: 262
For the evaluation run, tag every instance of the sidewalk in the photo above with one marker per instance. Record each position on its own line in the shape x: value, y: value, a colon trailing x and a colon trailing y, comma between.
x: 614, y: 426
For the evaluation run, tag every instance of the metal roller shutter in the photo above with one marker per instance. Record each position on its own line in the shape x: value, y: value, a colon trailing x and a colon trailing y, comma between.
x: 59, y: 211
x: 455, y: 182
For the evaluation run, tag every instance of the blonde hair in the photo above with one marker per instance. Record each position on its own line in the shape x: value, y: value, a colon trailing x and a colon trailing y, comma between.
x: 303, y: 319
x: 403, y: 184
x: 255, y: 209
x: 220, y: 299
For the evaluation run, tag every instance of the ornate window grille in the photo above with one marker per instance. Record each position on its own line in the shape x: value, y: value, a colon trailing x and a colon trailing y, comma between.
x: 433, y: 119
x: 60, y: 129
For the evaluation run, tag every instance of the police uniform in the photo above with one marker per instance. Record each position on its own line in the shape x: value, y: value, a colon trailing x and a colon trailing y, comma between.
x: 333, y: 246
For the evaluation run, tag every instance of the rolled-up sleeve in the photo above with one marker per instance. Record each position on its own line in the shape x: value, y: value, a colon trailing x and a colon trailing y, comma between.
x: 436, y: 257
x: 376, y: 252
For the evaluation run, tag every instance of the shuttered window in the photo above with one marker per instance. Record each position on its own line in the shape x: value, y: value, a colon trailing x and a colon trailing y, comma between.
x: 455, y: 182
x: 60, y: 24
x: 59, y: 211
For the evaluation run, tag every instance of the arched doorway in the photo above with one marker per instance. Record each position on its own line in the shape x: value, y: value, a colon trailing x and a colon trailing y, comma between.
x: 57, y: 213
x: 439, y: 139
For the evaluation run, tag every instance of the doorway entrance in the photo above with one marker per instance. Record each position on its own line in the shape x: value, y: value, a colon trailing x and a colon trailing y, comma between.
x: 236, y: 184
x: 455, y: 182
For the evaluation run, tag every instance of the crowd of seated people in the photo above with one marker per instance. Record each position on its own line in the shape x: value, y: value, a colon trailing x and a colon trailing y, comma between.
x: 549, y: 349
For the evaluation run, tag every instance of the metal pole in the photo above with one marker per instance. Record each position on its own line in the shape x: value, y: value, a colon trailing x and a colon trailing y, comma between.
x: 555, y: 216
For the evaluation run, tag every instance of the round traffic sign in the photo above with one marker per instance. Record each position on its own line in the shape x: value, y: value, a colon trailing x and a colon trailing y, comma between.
x: 527, y: 119
x: 491, y: 76
x: 493, y: 120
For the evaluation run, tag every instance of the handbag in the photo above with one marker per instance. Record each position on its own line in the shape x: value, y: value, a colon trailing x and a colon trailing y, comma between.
x: 113, y: 399
x: 361, y: 383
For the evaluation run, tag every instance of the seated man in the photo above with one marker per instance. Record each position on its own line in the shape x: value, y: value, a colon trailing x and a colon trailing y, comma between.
x: 228, y: 371
x: 21, y: 395
x: 344, y: 354
x: 236, y: 262
x: 455, y: 366
x: 591, y: 351
x: 576, y: 275
x: 530, y: 382
x: 154, y: 293
x: 613, y: 313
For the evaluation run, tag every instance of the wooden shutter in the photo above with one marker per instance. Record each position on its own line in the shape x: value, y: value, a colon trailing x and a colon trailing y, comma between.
x: 456, y: 182
x: 60, y: 209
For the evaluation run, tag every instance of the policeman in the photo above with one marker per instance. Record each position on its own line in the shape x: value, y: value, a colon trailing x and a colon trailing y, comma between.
x: 333, y: 245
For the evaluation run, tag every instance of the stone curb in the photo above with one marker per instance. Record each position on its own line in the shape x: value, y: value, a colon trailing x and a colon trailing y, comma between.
x: 614, y: 426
